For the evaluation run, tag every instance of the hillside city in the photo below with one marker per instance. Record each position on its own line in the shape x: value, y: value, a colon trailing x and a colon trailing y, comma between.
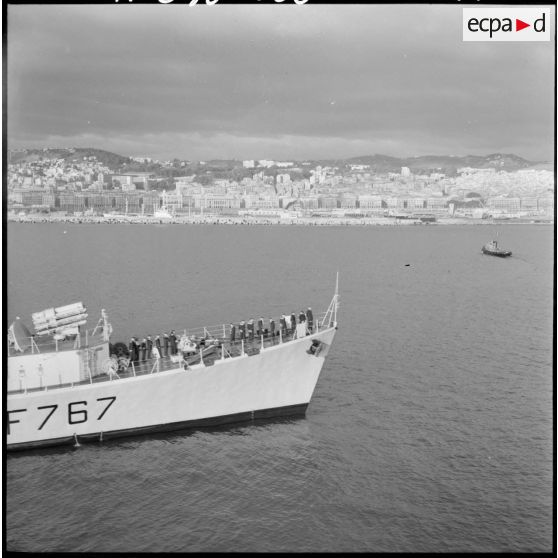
x: 75, y: 185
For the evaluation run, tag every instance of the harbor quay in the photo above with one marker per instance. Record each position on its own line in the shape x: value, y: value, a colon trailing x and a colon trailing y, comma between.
x: 254, y: 220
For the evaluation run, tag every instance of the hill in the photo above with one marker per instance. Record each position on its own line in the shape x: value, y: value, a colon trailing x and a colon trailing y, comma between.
x: 447, y: 164
x: 111, y: 160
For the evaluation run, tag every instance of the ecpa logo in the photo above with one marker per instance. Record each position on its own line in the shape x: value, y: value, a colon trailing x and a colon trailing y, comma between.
x: 506, y: 24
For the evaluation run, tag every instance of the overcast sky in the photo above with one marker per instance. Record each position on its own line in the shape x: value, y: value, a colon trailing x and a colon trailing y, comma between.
x: 273, y: 81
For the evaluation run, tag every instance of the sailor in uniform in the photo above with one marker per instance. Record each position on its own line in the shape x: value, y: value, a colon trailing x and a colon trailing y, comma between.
x: 251, y: 329
x: 149, y: 346
x: 172, y: 339
x: 158, y: 344
x: 133, y: 348
x: 260, y: 327
x: 293, y: 322
x: 302, y: 317
x: 233, y: 332
x: 283, y: 323
x: 143, y: 349
x: 165, y: 344
x: 272, y: 329
x: 310, y: 317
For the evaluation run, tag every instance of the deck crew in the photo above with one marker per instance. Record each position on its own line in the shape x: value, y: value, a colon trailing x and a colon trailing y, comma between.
x: 158, y: 344
x: 172, y: 339
x: 260, y: 326
x: 293, y: 322
x: 136, y: 340
x: 271, y: 328
x: 133, y: 349
x: 233, y: 332
x: 242, y: 330
x: 149, y: 346
x: 250, y: 329
x: 310, y: 317
x: 165, y: 344
x: 143, y: 349
x: 287, y: 324
x: 302, y: 317
x: 283, y: 324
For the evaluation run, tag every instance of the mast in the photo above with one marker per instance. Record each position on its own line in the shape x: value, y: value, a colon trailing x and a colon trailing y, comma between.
x: 330, y: 317
x: 336, y: 297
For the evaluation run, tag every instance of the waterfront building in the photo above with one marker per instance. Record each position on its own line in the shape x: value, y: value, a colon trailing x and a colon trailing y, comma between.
x: 308, y: 202
x: 369, y: 202
x: 529, y: 204
x: 328, y: 202
x: 348, y: 201
x: 172, y: 200
x: 254, y: 201
x: 504, y: 204
x: 546, y: 204
x: 216, y: 202
x: 437, y: 204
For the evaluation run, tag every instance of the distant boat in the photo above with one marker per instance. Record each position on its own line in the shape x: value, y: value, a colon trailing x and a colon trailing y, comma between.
x: 491, y: 249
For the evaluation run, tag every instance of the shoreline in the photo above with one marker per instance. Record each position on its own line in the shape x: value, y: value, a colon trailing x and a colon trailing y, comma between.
x: 299, y: 221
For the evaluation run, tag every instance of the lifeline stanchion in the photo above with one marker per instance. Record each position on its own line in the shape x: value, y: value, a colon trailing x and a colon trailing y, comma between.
x: 77, y: 444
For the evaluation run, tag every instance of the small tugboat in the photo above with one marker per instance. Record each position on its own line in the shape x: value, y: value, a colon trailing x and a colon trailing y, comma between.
x: 491, y: 249
x: 67, y: 385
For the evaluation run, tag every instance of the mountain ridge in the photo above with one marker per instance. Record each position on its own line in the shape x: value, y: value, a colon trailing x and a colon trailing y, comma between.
x: 447, y: 164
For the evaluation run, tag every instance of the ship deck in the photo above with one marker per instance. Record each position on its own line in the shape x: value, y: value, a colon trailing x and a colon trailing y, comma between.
x: 221, y: 349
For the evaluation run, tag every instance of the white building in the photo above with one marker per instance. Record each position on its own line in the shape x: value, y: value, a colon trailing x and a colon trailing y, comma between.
x: 370, y: 202
x: 284, y: 178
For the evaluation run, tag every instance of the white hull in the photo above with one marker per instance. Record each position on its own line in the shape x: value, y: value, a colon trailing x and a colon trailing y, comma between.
x: 278, y: 381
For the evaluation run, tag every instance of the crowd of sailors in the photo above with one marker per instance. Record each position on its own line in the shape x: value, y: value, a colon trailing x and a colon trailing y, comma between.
x: 168, y: 344
x: 162, y: 346
x: 286, y: 326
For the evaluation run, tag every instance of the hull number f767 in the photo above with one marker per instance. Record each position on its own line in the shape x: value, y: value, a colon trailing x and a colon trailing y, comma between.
x: 76, y: 412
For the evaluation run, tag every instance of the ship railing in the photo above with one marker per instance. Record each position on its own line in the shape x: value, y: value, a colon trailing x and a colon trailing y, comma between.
x: 222, y: 349
x: 48, y: 344
x: 223, y: 331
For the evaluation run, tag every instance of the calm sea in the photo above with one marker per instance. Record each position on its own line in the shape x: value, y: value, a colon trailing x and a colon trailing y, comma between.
x: 431, y: 427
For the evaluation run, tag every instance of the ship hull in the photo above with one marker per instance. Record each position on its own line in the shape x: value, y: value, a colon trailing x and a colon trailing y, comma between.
x: 278, y: 381
x: 497, y: 253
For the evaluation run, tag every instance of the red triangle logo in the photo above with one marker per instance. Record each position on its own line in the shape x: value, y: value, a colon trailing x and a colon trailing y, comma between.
x: 519, y: 25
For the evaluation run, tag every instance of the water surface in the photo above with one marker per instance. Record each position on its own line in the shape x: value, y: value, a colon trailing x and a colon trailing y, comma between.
x: 430, y: 428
